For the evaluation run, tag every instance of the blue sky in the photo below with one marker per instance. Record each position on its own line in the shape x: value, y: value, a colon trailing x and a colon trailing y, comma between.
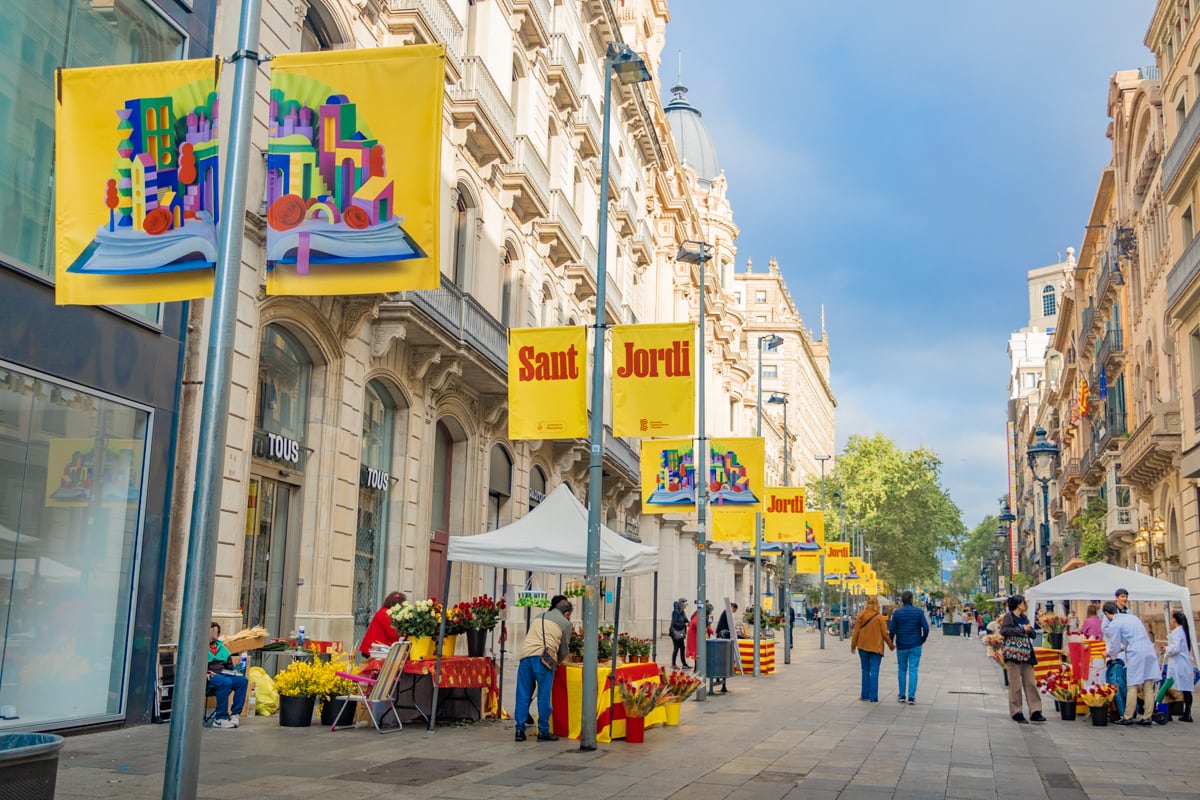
x: 908, y: 163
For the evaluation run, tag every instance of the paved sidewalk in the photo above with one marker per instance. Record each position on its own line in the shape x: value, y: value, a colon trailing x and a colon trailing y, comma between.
x: 799, y: 734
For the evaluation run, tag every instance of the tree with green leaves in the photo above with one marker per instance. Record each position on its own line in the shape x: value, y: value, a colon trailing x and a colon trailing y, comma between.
x: 1093, y: 531
x: 896, y: 498
x: 964, y: 579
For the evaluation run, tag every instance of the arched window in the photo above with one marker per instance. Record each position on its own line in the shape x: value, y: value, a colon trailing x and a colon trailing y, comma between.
x: 537, y: 487
x: 508, y: 277
x: 319, y: 32
x: 284, y: 372
x: 499, y: 489
x: 464, y: 213
x: 1049, y: 306
x: 374, y: 486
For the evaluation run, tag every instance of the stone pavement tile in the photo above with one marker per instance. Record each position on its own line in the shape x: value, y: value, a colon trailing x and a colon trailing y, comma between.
x: 756, y: 790
x: 703, y: 791
x: 803, y: 793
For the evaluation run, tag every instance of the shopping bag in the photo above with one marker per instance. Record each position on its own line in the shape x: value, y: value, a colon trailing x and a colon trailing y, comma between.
x: 266, y: 698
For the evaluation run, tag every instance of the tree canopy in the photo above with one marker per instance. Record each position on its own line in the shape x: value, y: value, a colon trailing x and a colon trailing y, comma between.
x: 978, y: 545
x: 896, y: 498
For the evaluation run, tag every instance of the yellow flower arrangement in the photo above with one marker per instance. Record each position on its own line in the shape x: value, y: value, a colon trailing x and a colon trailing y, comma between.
x: 302, y: 678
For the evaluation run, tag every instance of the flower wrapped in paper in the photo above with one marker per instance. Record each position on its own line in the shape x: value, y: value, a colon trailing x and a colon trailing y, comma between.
x: 1060, y: 685
x: 1098, y: 695
x: 642, y: 697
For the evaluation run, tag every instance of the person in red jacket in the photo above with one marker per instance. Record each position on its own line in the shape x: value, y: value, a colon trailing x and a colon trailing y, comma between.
x: 381, y: 630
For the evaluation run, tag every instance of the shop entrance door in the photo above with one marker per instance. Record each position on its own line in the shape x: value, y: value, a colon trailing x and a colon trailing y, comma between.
x: 268, y: 588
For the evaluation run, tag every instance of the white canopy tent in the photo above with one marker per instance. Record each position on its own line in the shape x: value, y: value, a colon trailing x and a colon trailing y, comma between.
x: 553, y: 538
x: 1101, y: 581
x: 550, y: 538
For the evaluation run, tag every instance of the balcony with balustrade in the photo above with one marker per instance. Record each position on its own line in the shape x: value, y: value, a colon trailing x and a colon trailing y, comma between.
x: 564, y: 73
x: 1071, y: 475
x: 428, y: 22
x: 625, y: 214
x: 482, y: 113
x: 561, y: 229
x: 1111, y: 351
x: 1153, y: 448
x: 527, y: 178
x: 643, y: 243
x: 1120, y: 526
x: 532, y: 18
x: 588, y: 128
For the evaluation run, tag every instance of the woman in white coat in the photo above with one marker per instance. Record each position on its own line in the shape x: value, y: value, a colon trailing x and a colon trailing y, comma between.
x: 1128, y: 641
x: 1178, y: 652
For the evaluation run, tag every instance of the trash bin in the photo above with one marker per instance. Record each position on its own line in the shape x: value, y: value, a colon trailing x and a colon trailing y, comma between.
x: 718, y: 654
x: 28, y: 765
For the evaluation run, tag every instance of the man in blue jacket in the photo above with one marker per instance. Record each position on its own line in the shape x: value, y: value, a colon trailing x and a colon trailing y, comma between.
x: 909, y: 630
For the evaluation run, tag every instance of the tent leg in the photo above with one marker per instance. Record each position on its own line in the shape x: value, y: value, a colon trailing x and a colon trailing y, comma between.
x: 437, y: 667
x: 612, y: 677
x: 503, y: 642
x: 654, y: 621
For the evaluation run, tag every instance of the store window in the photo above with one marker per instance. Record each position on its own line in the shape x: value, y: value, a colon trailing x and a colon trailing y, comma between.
x: 374, y: 486
x: 537, y: 487
x: 499, y: 489
x: 284, y: 374
x: 38, y: 38
x: 71, y: 482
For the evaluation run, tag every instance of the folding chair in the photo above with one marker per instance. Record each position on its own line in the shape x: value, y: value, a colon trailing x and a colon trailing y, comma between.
x: 379, y: 694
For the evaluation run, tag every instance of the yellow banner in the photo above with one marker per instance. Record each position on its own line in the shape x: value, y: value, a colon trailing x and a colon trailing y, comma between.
x: 735, y: 475
x: 547, y: 386
x: 808, y: 563
x: 136, y: 183
x: 354, y: 169
x: 734, y: 468
x: 72, y: 469
x: 837, y: 557
x: 654, y: 385
x: 855, y: 572
x: 668, y: 476
x: 733, y: 526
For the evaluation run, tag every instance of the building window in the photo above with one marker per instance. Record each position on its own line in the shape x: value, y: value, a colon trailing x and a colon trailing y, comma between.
x: 284, y: 373
x: 69, y: 537
x: 1030, y: 379
x: 374, y: 487
x: 319, y: 33
x: 1180, y: 113
x: 537, y: 487
x: 1194, y: 358
x: 76, y: 35
x: 508, y: 276
x: 760, y: 296
x: 1187, y: 228
x: 499, y: 489
x: 770, y: 372
x: 737, y: 298
x: 1049, y: 307
x: 463, y: 218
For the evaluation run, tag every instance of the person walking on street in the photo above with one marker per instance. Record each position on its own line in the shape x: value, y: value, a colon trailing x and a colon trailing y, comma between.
x: 1128, y: 640
x: 1019, y: 659
x: 1178, y: 652
x: 909, y: 629
x: 678, y: 631
x: 967, y: 618
x: 869, y: 637
x: 549, y: 635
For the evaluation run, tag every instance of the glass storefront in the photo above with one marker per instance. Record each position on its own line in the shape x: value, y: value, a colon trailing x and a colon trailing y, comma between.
x: 72, y: 476
x: 374, y: 483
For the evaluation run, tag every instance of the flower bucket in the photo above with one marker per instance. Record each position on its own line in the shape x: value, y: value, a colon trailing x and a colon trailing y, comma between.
x: 635, y: 730
x: 448, y: 643
x: 296, y: 712
x: 476, y: 643
x: 422, y: 648
x: 1099, y: 715
x: 1066, y: 708
x: 1056, y: 640
x: 672, y: 711
x: 337, y: 711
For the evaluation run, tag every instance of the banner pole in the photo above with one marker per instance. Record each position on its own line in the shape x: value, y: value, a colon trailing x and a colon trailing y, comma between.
x: 182, y: 768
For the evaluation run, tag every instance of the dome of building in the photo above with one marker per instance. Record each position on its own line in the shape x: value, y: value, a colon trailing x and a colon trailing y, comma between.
x: 691, y: 137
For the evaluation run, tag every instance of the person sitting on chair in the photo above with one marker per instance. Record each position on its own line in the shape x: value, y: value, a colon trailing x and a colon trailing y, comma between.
x: 222, y: 679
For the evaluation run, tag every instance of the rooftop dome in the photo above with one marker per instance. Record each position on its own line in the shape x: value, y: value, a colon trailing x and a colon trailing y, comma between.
x: 691, y: 137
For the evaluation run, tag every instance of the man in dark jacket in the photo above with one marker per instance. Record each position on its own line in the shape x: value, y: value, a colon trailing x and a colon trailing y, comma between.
x: 909, y: 629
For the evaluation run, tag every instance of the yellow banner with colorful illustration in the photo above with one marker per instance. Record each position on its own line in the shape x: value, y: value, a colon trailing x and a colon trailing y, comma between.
x: 354, y: 170
x: 734, y: 471
x: 808, y: 563
x: 733, y: 526
x: 136, y: 183
x: 653, y: 382
x: 837, y: 557
x: 855, y: 572
x: 547, y: 386
x: 76, y: 477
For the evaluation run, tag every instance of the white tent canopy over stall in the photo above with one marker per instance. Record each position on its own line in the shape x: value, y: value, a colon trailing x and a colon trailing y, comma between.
x: 550, y: 538
x: 1100, y: 582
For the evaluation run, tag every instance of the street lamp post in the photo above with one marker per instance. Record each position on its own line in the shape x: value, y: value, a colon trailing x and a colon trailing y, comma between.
x: 821, y: 622
x: 628, y: 66
x: 699, y: 256
x: 1007, y: 518
x: 785, y: 599
x: 768, y: 342
x: 1043, y: 463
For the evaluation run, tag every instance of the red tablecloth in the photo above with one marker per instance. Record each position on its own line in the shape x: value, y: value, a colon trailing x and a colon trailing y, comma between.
x: 458, y: 672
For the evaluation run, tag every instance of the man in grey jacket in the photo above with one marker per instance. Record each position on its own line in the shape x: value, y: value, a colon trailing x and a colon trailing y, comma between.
x: 551, y: 632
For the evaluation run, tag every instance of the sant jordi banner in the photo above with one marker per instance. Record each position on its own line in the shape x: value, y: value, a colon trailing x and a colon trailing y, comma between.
x: 547, y: 386
x: 733, y: 526
x: 136, y: 183
x: 353, y: 170
x: 855, y: 572
x: 653, y: 384
x: 734, y: 473
x: 808, y: 563
x: 837, y: 557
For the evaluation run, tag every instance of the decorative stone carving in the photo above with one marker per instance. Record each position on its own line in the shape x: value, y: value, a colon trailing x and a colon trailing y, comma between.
x: 495, y: 408
x: 441, y: 375
x: 384, y: 334
x: 357, y: 310
x: 420, y: 360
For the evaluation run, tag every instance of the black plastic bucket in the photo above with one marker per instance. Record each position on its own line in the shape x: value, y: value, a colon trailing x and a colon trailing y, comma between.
x: 28, y: 765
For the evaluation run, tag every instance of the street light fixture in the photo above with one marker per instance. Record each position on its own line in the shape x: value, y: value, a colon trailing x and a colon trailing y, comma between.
x: 629, y: 68
x: 1043, y: 463
x: 699, y: 256
x: 781, y: 398
x: 766, y: 342
x: 1007, y: 518
x: 1151, y: 547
